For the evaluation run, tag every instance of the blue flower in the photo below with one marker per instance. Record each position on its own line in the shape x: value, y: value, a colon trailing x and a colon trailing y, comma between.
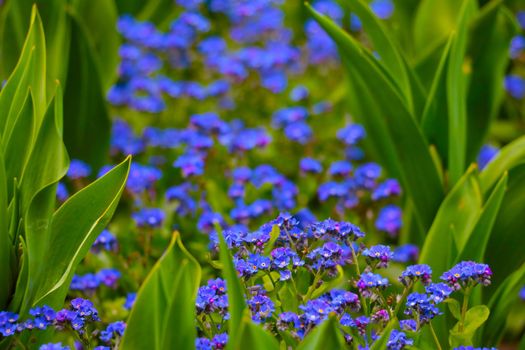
x: 106, y: 240
x: 8, y: 323
x: 299, y: 132
x: 438, y: 292
x: 382, y: 253
x: 109, y: 277
x: 467, y: 273
x: 517, y: 45
x: 351, y: 134
x: 78, y: 169
x: 62, y: 192
x: 382, y: 8
x: 310, y: 165
x: 299, y: 93
x: 420, y: 305
x: 340, y: 168
x: 191, y: 164
x: 406, y: 253
x: 368, y: 282
x: 515, y: 86
x: 53, y: 346
x: 386, y: 189
x: 149, y: 217
x: 398, y: 341
x: 113, y: 330
x: 261, y: 307
x: 289, y: 115
x: 486, y: 154
x: 414, y: 273
x: 130, y: 300
x: 389, y: 220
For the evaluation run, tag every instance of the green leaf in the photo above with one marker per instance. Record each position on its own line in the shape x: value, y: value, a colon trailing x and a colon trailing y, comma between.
x: 489, y: 41
x: 86, y: 116
x: 74, y: 227
x: 166, y: 302
x: 48, y: 161
x: 474, y: 319
x: 18, y: 145
x: 476, y: 245
x: 236, y: 297
x: 325, y: 336
x: 504, y: 256
x: 508, y: 157
x: 30, y: 72
x: 453, y: 306
x: 383, y: 45
x: 55, y: 25
x: 500, y: 303
x: 434, y: 122
x: 389, y: 122
x: 456, y: 96
x: 434, y: 21
x: 254, y: 337
x: 6, y: 278
x: 453, y: 224
x: 99, y: 18
x: 274, y: 235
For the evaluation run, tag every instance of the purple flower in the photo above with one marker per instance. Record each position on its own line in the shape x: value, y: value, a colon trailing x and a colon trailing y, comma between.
x: 406, y: 253
x: 113, y: 330
x: 261, y: 307
x: 386, y: 189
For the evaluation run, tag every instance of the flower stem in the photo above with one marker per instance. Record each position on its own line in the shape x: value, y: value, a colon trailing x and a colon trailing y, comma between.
x: 402, y: 299
x: 464, y: 308
x: 434, y: 335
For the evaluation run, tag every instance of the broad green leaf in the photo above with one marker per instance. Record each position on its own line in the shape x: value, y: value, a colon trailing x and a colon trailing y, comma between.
x: 504, y: 254
x: 86, y: 116
x: 381, y: 342
x: 99, y: 18
x: 434, y: 122
x: 73, y: 229
x: 383, y: 45
x: 29, y: 72
x: 6, y: 278
x: 19, y: 142
x: 22, y: 279
x: 434, y: 21
x: 55, y: 25
x: 254, y: 337
x: 474, y: 319
x: 500, y: 303
x: 453, y: 224
x: 508, y: 157
x: 236, y: 302
x: 325, y: 336
x: 157, y: 11
x: 476, y: 245
x: 389, y: 122
x: 489, y: 41
x: 456, y: 96
x: 453, y: 306
x: 166, y: 302
x: 48, y: 161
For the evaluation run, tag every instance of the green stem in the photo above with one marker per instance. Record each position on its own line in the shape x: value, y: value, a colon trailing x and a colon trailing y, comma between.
x: 464, y: 308
x: 434, y: 335
x: 403, y: 297
x: 312, y: 288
